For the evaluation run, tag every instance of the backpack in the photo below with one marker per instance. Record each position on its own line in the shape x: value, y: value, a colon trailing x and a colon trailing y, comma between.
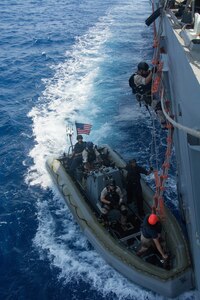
x: 132, y: 83
x: 140, y: 89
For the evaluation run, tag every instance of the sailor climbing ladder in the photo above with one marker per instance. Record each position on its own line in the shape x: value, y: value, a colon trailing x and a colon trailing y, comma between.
x: 158, y: 89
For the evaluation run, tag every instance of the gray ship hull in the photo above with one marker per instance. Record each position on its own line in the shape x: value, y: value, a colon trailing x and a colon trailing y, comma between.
x: 180, y: 39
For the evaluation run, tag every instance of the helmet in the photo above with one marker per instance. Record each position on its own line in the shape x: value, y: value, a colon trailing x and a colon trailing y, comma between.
x: 79, y: 137
x: 143, y: 66
x: 89, y: 145
x: 112, y: 182
x: 153, y: 219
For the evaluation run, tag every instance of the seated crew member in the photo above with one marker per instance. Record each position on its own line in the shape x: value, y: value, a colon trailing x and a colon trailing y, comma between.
x: 111, y: 197
x: 76, y: 159
x: 150, y: 235
x: 133, y: 185
x: 90, y: 154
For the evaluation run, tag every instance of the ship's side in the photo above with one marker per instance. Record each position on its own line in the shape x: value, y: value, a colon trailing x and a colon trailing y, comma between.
x: 182, y: 82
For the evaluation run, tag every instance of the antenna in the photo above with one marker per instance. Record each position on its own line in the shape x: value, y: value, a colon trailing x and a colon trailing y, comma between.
x: 69, y: 132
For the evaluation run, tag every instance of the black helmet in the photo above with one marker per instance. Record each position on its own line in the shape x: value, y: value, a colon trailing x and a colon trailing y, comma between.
x: 89, y: 145
x: 143, y: 66
x: 79, y: 137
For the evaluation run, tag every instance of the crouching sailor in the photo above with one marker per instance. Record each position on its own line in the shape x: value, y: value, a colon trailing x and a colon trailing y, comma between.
x: 112, y: 198
x: 150, y: 235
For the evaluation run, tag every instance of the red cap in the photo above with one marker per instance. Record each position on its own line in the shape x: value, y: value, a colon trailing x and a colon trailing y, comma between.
x: 153, y: 219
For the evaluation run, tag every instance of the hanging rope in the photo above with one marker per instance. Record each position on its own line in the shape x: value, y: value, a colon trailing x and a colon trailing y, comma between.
x: 156, y: 79
x: 156, y: 84
x: 160, y: 179
x: 161, y: 176
x: 157, y: 90
x: 154, y: 28
x: 154, y: 152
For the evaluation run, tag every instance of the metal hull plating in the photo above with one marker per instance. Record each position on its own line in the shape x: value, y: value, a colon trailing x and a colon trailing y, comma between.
x: 182, y: 78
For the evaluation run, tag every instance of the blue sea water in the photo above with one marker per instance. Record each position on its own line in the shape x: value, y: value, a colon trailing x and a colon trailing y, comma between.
x: 66, y: 61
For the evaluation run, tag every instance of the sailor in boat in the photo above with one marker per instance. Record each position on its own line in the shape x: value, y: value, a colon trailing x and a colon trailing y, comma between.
x: 141, y: 82
x: 90, y: 155
x: 133, y: 185
x: 112, y: 198
x: 150, y: 235
x: 76, y: 159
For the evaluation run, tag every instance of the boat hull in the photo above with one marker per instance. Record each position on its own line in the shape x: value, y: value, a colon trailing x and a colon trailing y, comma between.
x: 169, y: 283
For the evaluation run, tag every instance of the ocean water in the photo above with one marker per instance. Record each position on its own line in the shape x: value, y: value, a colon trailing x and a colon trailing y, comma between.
x: 61, y: 62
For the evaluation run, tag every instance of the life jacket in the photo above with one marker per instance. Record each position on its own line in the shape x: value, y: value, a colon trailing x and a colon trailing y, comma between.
x: 78, y: 148
x: 140, y: 89
x: 113, y: 197
x: 91, y: 156
x: 143, y: 92
x: 132, y: 83
x: 150, y: 231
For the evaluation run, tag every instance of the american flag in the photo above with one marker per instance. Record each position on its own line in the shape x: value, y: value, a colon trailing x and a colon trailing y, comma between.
x: 83, y: 128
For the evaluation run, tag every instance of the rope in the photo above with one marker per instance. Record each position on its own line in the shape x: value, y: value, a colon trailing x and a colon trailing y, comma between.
x: 155, y: 61
x: 156, y: 83
x: 154, y: 26
x: 160, y: 178
x: 154, y: 143
x: 156, y: 79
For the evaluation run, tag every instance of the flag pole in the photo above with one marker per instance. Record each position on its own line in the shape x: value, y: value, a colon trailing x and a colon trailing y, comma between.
x: 76, y: 129
x: 69, y: 131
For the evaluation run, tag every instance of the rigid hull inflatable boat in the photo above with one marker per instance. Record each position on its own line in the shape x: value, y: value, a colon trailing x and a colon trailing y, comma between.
x: 118, y: 243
